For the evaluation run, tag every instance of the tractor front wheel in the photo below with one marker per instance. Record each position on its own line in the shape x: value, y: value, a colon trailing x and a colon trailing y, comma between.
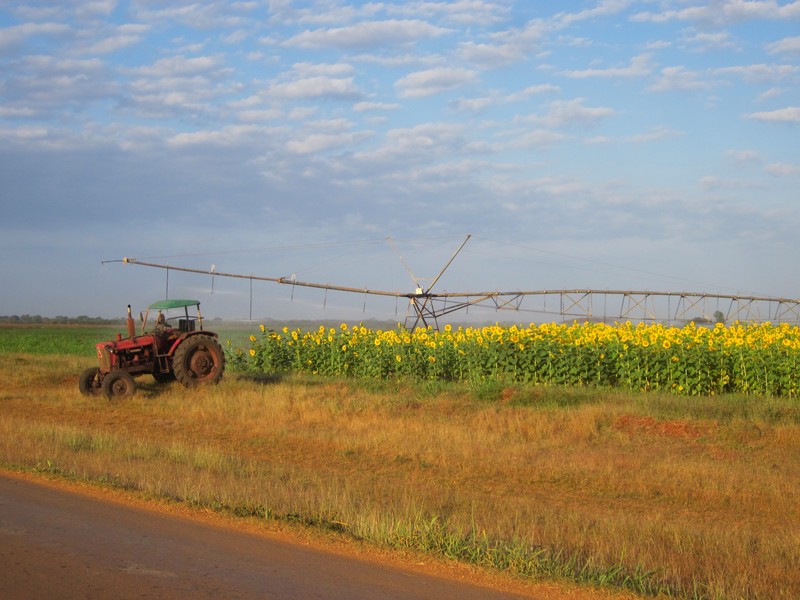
x: 89, y: 382
x: 198, y: 359
x: 118, y: 385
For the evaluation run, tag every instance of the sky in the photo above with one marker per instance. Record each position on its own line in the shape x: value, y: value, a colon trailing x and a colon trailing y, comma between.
x: 603, y: 144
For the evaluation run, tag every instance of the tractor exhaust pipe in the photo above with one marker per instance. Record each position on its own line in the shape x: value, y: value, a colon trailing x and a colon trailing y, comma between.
x: 131, y: 324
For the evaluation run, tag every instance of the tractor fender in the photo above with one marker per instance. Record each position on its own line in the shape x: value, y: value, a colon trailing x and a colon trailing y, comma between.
x: 187, y: 335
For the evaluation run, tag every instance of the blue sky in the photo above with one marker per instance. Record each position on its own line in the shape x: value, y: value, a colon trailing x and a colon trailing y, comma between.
x: 613, y: 144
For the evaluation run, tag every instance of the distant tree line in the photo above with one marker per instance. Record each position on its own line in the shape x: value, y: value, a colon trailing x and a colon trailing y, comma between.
x: 60, y: 320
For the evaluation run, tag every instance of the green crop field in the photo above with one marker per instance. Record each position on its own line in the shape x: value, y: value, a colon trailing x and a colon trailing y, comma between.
x: 79, y: 340
x: 69, y: 340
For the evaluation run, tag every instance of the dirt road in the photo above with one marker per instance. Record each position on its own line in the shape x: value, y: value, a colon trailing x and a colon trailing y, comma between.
x: 56, y: 543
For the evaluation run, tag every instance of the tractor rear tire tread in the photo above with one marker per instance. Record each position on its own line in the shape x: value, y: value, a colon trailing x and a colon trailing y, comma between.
x: 199, y: 359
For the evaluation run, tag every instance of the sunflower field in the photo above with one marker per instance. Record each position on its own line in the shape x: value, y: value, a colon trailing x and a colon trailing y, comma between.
x: 688, y: 360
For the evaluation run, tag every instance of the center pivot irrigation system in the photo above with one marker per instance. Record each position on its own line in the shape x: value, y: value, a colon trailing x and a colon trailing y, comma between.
x: 425, y: 306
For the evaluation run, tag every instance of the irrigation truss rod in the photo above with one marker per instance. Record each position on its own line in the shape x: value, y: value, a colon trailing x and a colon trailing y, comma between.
x: 580, y: 299
x: 281, y: 280
x: 483, y: 295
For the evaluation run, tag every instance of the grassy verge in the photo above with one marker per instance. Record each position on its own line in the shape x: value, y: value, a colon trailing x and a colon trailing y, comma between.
x: 686, y: 497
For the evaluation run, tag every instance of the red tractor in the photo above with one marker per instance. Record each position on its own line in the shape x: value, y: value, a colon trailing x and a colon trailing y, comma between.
x: 173, y: 347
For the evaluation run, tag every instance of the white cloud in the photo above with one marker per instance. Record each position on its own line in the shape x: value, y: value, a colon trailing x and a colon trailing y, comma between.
x: 200, y: 15
x: 604, y: 8
x: 478, y: 104
x: 64, y: 11
x: 16, y: 112
x: 725, y: 12
x: 474, y: 105
x: 252, y: 101
x: 416, y: 144
x: 760, y: 73
x: 790, y: 114
x: 744, y: 157
x: 305, y: 69
x: 367, y: 106
x: 306, y: 81
x: 94, y: 8
x: 369, y: 34
x: 560, y: 186
x: 337, y: 125
x: 398, y: 60
x: 571, y: 113
x: 673, y: 79
x: 712, y: 183
x: 179, y: 66
x: 45, y: 83
x: 328, y: 13
x: 537, y: 138
x: 788, y: 45
x: 533, y: 90
x: 235, y: 37
x: 658, y: 45
x: 259, y: 115
x: 504, y: 47
x: 16, y: 34
x: 639, y: 67
x: 113, y: 40
x: 320, y: 142
x: 705, y: 41
x: 654, y: 135
x: 111, y: 44
x: 491, y: 54
x: 315, y: 87
x: 598, y: 140
x: 782, y: 169
x: 24, y: 133
x: 462, y: 12
x: 301, y: 113
x: 434, y: 81
x: 227, y: 136
x: 769, y: 94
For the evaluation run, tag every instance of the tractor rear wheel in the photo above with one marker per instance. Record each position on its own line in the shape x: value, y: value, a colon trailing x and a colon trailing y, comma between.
x: 198, y: 359
x: 118, y: 385
x: 89, y: 383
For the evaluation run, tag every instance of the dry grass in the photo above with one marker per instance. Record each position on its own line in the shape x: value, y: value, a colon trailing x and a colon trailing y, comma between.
x: 698, y: 498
